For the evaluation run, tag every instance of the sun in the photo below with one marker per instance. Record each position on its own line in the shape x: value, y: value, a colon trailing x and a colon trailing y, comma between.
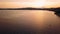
x: 40, y: 3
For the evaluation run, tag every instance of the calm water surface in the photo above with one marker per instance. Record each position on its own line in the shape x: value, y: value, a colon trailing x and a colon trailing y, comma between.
x: 29, y: 21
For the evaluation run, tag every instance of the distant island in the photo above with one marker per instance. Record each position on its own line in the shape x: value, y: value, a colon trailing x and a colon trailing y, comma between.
x: 57, y: 10
x: 27, y: 8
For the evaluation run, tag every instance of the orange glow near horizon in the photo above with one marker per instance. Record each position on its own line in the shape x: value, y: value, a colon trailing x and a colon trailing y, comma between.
x: 30, y: 3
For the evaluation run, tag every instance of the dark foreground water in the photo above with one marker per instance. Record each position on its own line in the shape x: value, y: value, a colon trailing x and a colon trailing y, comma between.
x: 29, y: 22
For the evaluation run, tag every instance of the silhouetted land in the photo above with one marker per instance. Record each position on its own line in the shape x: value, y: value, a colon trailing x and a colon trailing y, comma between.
x: 11, y: 26
x: 56, y: 10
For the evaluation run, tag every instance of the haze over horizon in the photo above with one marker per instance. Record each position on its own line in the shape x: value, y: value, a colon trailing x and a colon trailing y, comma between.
x: 29, y: 3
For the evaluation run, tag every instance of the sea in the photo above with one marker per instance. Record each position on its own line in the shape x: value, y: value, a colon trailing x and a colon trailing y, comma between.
x: 29, y: 22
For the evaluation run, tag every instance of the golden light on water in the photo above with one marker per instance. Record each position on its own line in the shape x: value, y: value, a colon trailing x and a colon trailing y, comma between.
x: 35, y: 20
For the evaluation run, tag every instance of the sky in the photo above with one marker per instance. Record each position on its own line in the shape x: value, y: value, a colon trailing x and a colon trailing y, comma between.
x: 29, y: 3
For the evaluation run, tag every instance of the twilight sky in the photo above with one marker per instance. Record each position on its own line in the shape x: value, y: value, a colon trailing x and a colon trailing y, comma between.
x: 29, y: 3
